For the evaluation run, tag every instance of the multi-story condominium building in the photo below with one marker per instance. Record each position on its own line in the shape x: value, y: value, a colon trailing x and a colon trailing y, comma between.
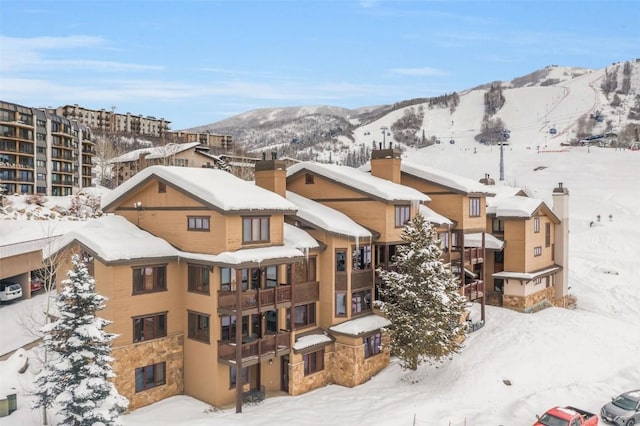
x: 223, y: 289
x: 224, y: 142
x: 110, y: 121
x: 43, y: 153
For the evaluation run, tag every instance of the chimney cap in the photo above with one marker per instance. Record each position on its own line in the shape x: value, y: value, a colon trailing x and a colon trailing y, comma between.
x: 560, y: 189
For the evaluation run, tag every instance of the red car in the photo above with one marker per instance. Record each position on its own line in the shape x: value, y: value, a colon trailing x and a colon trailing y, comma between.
x: 567, y: 416
x: 36, y: 284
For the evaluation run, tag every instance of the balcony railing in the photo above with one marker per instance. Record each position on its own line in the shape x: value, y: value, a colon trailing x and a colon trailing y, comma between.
x: 306, y: 292
x: 262, y: 299
x: 474, y: 290
x: 252, y: 351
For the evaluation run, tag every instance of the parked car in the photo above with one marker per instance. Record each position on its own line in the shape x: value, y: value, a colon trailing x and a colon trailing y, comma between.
x: 567, y: 416
x: 623, y: 410
x: 36, y: 284
x: 10, y: 291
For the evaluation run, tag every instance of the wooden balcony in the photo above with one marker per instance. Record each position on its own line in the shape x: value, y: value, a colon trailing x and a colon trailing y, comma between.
x: 306, y: 292
x: 260, y: 300
x: 253, y: 351
x: 474, y: 290
x: 362, y: 279
x: 473, y: 255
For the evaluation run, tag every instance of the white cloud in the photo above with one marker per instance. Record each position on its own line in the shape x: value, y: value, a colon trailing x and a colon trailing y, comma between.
x: 418, y: 72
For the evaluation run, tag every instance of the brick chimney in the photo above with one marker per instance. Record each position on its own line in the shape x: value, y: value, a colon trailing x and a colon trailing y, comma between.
x: 272, y: 174
x: 385, y: 164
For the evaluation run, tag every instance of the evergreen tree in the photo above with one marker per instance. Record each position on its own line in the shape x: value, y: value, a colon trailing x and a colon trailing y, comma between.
x: 421, y: 299
x: 3, y: 192
x: 77, y: 382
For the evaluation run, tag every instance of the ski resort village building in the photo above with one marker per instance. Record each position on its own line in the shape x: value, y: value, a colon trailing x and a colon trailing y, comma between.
x: 229, y: 290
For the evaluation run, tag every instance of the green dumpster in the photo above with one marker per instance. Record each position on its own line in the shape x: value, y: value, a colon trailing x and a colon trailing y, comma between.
x: 4, y: 407
x: 13, y: 402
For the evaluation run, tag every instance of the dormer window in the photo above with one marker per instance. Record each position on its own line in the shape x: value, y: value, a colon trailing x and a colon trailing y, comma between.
x: 255, y: 229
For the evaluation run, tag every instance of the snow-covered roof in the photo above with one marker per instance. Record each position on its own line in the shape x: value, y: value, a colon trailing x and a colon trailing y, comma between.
x: 218, y: 188
x: 527, y: 276
x: 25, y: 236
x: 449, y: 180
x: 298, y: 238
x: 155, y: 152
x: 310, y: 340
x: 362, y: 182
x: 362, y: 325
x: 433, y: 217
x: 490, y: 242
x: 513, y: 206
x: 326, y: 218
x: 113, y: 238
x: 252, y: 255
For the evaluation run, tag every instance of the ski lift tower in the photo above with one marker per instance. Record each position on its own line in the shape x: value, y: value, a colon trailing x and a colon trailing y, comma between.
x: 384, y: 132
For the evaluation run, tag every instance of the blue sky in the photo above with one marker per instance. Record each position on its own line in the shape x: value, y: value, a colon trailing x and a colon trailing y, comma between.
x: 197, y: 62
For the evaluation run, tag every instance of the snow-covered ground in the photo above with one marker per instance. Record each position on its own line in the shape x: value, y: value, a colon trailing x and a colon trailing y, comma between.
x: 576, y: 357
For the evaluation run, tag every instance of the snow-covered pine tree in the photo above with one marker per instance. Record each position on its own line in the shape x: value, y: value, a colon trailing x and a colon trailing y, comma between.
x: 77, y: 381
x: 421, y: 299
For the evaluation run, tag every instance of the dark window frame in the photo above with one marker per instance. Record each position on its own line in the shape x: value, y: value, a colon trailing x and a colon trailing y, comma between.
x: 157, y: 323
x: 195, y: 285
x: 402, y: 215
x: 309, y: 315
x: 536, y: 224
x: 547, y: 234
x: 232, y: 376
x: 154, y: 371
x: 159, y: 279
x: 249, y: 232
x: 195, y: 329
x: 313, y: 362
x: 537, y: 251
x: 162, y: 187
x: 372, y: 344
x: 365, y: 302
x: 199, y: 223
x: 361, y: 259
x: 475, y: 209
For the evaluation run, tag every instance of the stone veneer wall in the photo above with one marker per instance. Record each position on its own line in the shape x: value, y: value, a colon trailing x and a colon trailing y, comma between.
x: 519, y: 303
x: 299, y: 383
x: 128, y: 358
x: 350, y: 368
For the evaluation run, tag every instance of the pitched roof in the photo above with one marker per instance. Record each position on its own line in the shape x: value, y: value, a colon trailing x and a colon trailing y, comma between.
x: 433, y: 217
x: 517, y: 206
x: 218, y: 189
x: 360, y: 181
x: 155, y: 152
x: 361, y: 325
x: 326, y: 218
x: 448, y: 180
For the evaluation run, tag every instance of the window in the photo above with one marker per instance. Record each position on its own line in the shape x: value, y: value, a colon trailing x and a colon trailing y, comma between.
x: 227, y: 279
x: 149, y: 279
x: 547, y: 234
x: 497, y: 226
x: 305, y: 315
x: 162, y: 187
x: 536, y: 224
x: 150, y: 376
x: 360, y: 301
x: 372, y: 345
x: 341, y: 304
x: 498, y: 285
x: 474, y: 207
x: 341, y: 258
x: 362, y: 257
x: 271, y: 276
x: 313, y: 362
x: 444, y: 241
x: 308, y: 179
x: 227, y: 328
x: 498, y: 256
x: 255, y: 229
x: 232, y: 375
x: 198, y: 279
x: 198, y: 223
x: 537, y: 251
x: 403, y: 214
x: 199, y: 326
x: 149, y: 327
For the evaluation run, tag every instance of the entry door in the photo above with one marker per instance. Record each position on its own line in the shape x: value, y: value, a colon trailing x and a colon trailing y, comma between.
x: 284, y: 369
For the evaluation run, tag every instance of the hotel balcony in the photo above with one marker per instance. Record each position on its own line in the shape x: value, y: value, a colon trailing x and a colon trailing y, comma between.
x: 253, y: 350
x: 473, y: 290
